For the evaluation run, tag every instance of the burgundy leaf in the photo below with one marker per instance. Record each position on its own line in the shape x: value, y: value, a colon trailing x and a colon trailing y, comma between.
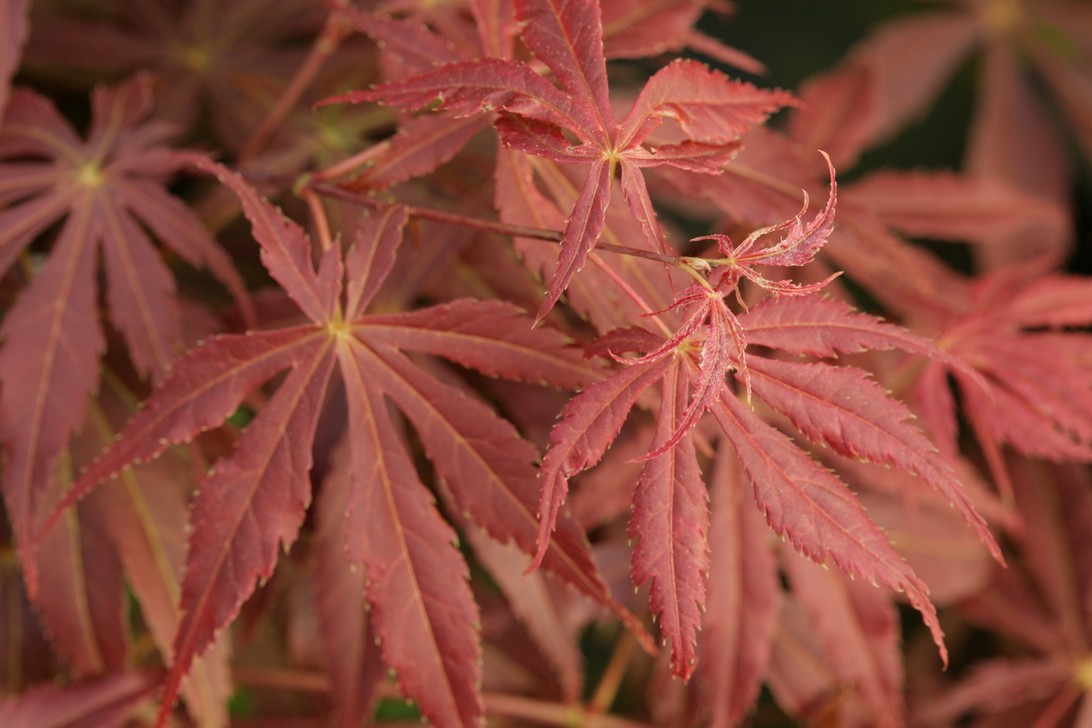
x: 371, y: 257
x: 247, y: 509
x: 285, y: 249
x: 352, y: 659
x: 422, y: 611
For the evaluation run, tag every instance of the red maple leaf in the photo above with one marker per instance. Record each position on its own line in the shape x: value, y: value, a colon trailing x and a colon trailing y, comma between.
x: 227, y: 60
x: 106, y: 701
x: 108, y: 193
x: 575, y: 124
x: 254, y: 501
x: 1040, y: 606
x: 1023, y: 338
x: 835, y: 405
x: 15, y: 26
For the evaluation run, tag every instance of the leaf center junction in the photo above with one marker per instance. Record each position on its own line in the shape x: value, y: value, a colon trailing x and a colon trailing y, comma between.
x: 1082, y: 674
x: 91, y: 176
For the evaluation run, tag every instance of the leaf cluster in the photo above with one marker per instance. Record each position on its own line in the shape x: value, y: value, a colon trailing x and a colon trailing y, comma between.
x: 278, y: 428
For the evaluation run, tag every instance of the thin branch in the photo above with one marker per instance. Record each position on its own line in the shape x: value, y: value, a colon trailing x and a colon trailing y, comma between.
x: 335, y: 30
x: 607, y: 689
x: 516, y: 231
x: 553, y: 713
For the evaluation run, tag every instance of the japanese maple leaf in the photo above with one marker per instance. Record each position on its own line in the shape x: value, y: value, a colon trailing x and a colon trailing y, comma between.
x: 131, y: 528
x: 1040, y: 607
x: 879, y: 212
x: 647, y: 29
x: 229, y: 60
x: 426, y: 35
x: 1021, y: 336
x: 254, y: 501
x: 11, y: 47
x: 1013, y: 136
x: 575, y: 123
x: 835, y: 405
x: 106, y: 701
x: 744, y: 601
x: 107, y: 194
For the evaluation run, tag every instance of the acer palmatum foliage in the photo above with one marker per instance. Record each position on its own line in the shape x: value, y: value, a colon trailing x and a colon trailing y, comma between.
x: 321, y: 446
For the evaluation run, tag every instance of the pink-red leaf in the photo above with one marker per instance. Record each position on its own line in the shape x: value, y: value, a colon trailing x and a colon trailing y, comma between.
x: 952, y: 207
x: 492, y: 337
x: 1054, y: 301
x: 352, y: 658
x: 582, y: 230
x: 709, y: 106
x: 14, y: 18
x: 540, y: 138
x: 589, y: 424
x: 536, y: 606
x: 486, y: 467
x: 858, y: 628
x: 147, y: 510
x: 836, y: 113
x: 816, y: 512
x: 103, y: 703
x: 826, y: 327
x: 744, y: 597
x: 415, y: 47
x: 81, y: 598
x: 640, y: 204
x: 566, y: 35
x: 140, y: 292
x: 470, y: 87
x: 647, y: 29
x: 843, y: 408
x: 419, y: 147
x: 670, y: 522
x: 907, y: 81
x: 48, y: 369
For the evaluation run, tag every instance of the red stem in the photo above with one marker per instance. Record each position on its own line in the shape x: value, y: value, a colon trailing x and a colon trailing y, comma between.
x: 516, y: 231
x: 335, y: 30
